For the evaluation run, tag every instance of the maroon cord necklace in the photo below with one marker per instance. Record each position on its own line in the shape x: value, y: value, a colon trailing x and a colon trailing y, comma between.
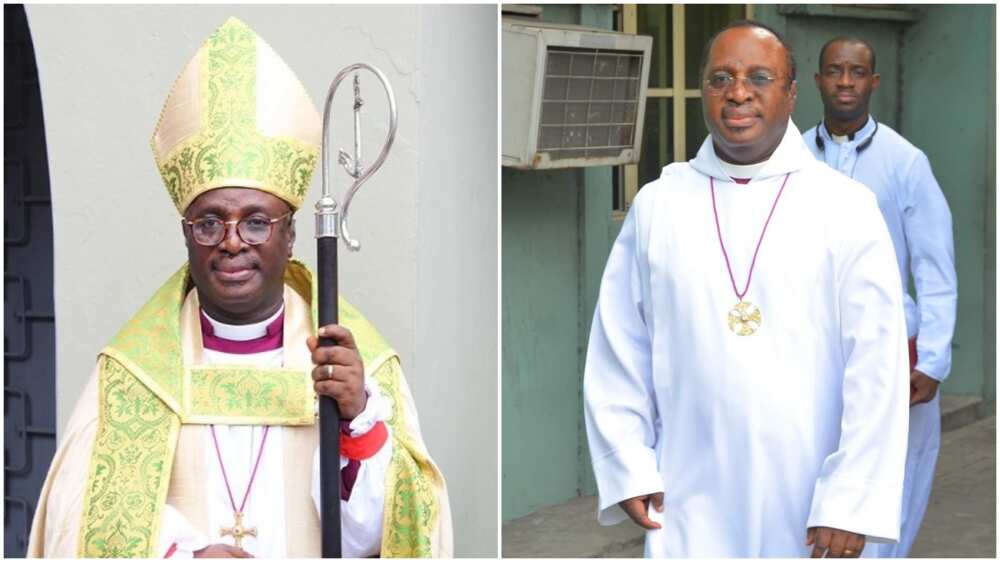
x: 744, y: 317
x: 238, y: 531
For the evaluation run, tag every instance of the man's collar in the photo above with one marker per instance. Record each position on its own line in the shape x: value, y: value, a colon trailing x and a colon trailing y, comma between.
x: 859, y: 136
x: 790, y: 155
x: 243, y: 332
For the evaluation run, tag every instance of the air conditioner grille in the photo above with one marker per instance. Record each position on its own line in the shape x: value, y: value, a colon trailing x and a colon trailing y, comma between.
x: 589, y: 102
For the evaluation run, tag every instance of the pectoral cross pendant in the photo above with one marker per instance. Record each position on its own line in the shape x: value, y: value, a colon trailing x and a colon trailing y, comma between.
x: 744, y: 318
x: 238, y: 531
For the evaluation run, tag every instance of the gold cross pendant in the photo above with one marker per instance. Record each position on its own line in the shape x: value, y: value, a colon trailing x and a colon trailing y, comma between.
x: 238, y: 531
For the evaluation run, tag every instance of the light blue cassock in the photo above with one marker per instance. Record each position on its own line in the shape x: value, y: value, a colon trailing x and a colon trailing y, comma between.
x: 919, y: 222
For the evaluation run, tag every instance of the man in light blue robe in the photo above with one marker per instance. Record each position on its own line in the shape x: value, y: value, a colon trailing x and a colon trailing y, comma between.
x: 851, y: 141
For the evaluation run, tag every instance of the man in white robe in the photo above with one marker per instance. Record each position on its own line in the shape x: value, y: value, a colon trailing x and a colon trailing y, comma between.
x: 196, y: 434
x: 919, y: 221
x: 745, y: 386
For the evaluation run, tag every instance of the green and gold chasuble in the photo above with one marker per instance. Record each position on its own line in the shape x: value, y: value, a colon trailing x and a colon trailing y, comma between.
x: 146, y: 391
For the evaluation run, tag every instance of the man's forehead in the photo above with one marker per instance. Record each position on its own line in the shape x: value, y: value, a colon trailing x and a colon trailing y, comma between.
x: 738, y: 39
x: 846, y: 50
x: 749, y: 33
x: 761, y: 33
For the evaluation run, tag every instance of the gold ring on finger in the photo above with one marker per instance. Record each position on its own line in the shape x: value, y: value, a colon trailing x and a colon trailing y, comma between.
x: 329, y: 372
x: 848, y: 552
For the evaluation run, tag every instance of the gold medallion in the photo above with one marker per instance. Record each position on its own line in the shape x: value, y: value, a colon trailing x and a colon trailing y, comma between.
x: 744, y: 318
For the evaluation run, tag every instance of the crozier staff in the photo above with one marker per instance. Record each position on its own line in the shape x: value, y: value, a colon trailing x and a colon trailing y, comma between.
x: 331, y: 223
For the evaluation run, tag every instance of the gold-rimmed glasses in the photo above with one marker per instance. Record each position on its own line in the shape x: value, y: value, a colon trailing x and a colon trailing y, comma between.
x: 718, y: 82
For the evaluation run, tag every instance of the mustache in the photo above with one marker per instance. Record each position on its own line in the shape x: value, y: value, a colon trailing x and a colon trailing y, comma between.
x: 738, y: 112
x: 235, y: 263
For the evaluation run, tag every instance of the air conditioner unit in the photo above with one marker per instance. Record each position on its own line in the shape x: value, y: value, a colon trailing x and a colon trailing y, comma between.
x: 572, y: 96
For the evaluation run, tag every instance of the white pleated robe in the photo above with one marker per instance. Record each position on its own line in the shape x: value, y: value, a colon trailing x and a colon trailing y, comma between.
x: 752, y: 439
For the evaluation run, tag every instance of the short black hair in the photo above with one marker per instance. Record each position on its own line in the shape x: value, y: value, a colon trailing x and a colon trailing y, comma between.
x: 847, y: 39
x: 789, y: 55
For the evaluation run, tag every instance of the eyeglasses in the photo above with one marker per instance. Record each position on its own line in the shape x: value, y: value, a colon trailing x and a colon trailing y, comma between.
x: 719, y: 82
x: 253, y: 230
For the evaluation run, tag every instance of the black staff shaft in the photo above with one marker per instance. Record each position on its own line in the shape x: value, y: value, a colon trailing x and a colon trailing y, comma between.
x: 329, y: 413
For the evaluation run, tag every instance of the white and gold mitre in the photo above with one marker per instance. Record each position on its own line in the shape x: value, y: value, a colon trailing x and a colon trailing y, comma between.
x: 237, y: 116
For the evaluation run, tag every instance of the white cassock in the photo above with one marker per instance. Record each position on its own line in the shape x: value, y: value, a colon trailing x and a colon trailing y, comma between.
x: 239, y: 446
x: 919, y: 222
x: 752, y: 439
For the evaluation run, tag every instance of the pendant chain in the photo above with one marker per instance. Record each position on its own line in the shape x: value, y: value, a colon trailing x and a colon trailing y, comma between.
x: 253, y: 474
x: 718, y: 229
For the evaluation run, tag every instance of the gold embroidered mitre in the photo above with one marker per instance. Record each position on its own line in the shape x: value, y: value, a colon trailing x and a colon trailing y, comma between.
x: 237, y: 116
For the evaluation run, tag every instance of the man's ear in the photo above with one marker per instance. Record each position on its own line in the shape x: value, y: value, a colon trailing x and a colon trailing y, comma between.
x: 793, y: 92
x: 876, y: 78
x: 184, y: 233
x: 291, y: 234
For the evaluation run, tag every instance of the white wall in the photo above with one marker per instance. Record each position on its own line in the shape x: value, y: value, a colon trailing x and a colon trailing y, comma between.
x: 426, y: 275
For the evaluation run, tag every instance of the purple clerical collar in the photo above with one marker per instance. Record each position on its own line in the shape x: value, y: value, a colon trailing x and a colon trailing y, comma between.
x: 271, y: 339
x: 741, y: 181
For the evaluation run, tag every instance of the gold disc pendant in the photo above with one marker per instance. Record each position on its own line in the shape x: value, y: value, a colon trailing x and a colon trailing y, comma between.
x: 744, y: 318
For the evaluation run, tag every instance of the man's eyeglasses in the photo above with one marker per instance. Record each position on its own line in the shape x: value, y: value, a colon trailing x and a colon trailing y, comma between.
x: 253, y: 230
x: 719, y: 82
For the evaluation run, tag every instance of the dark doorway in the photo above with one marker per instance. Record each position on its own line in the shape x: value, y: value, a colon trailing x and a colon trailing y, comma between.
x: 29, y: 344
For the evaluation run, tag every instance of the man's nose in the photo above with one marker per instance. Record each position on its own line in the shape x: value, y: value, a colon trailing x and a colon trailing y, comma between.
x: 231, y: 241
x: 739, y: 92
x: 845, y: 80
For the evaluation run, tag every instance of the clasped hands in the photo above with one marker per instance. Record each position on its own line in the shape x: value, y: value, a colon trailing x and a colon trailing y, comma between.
x: 833, y: 543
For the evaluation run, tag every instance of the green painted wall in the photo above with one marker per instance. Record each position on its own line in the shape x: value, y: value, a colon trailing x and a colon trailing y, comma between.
x: 540, y: 296
x: 557, y: 231
x: 949, y: 112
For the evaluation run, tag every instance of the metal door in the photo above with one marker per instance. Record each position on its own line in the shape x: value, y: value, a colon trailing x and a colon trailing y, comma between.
x: 29, y: 331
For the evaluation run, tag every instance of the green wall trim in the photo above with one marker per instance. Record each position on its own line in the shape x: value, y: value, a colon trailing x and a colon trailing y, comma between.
x: 895, y: 14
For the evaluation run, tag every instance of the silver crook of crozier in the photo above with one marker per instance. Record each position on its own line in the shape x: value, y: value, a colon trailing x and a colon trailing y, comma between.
x: 330, y: 221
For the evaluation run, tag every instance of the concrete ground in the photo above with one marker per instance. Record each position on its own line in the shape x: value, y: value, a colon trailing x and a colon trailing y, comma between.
x: 961, y: 517
x: 960, y: 520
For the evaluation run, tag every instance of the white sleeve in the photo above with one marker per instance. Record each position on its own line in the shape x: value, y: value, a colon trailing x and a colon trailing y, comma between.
x: 927, y: 228
x: 175, y: 529
x: 361, y: 515
x: 619, y: 406
x: 861, y: 483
